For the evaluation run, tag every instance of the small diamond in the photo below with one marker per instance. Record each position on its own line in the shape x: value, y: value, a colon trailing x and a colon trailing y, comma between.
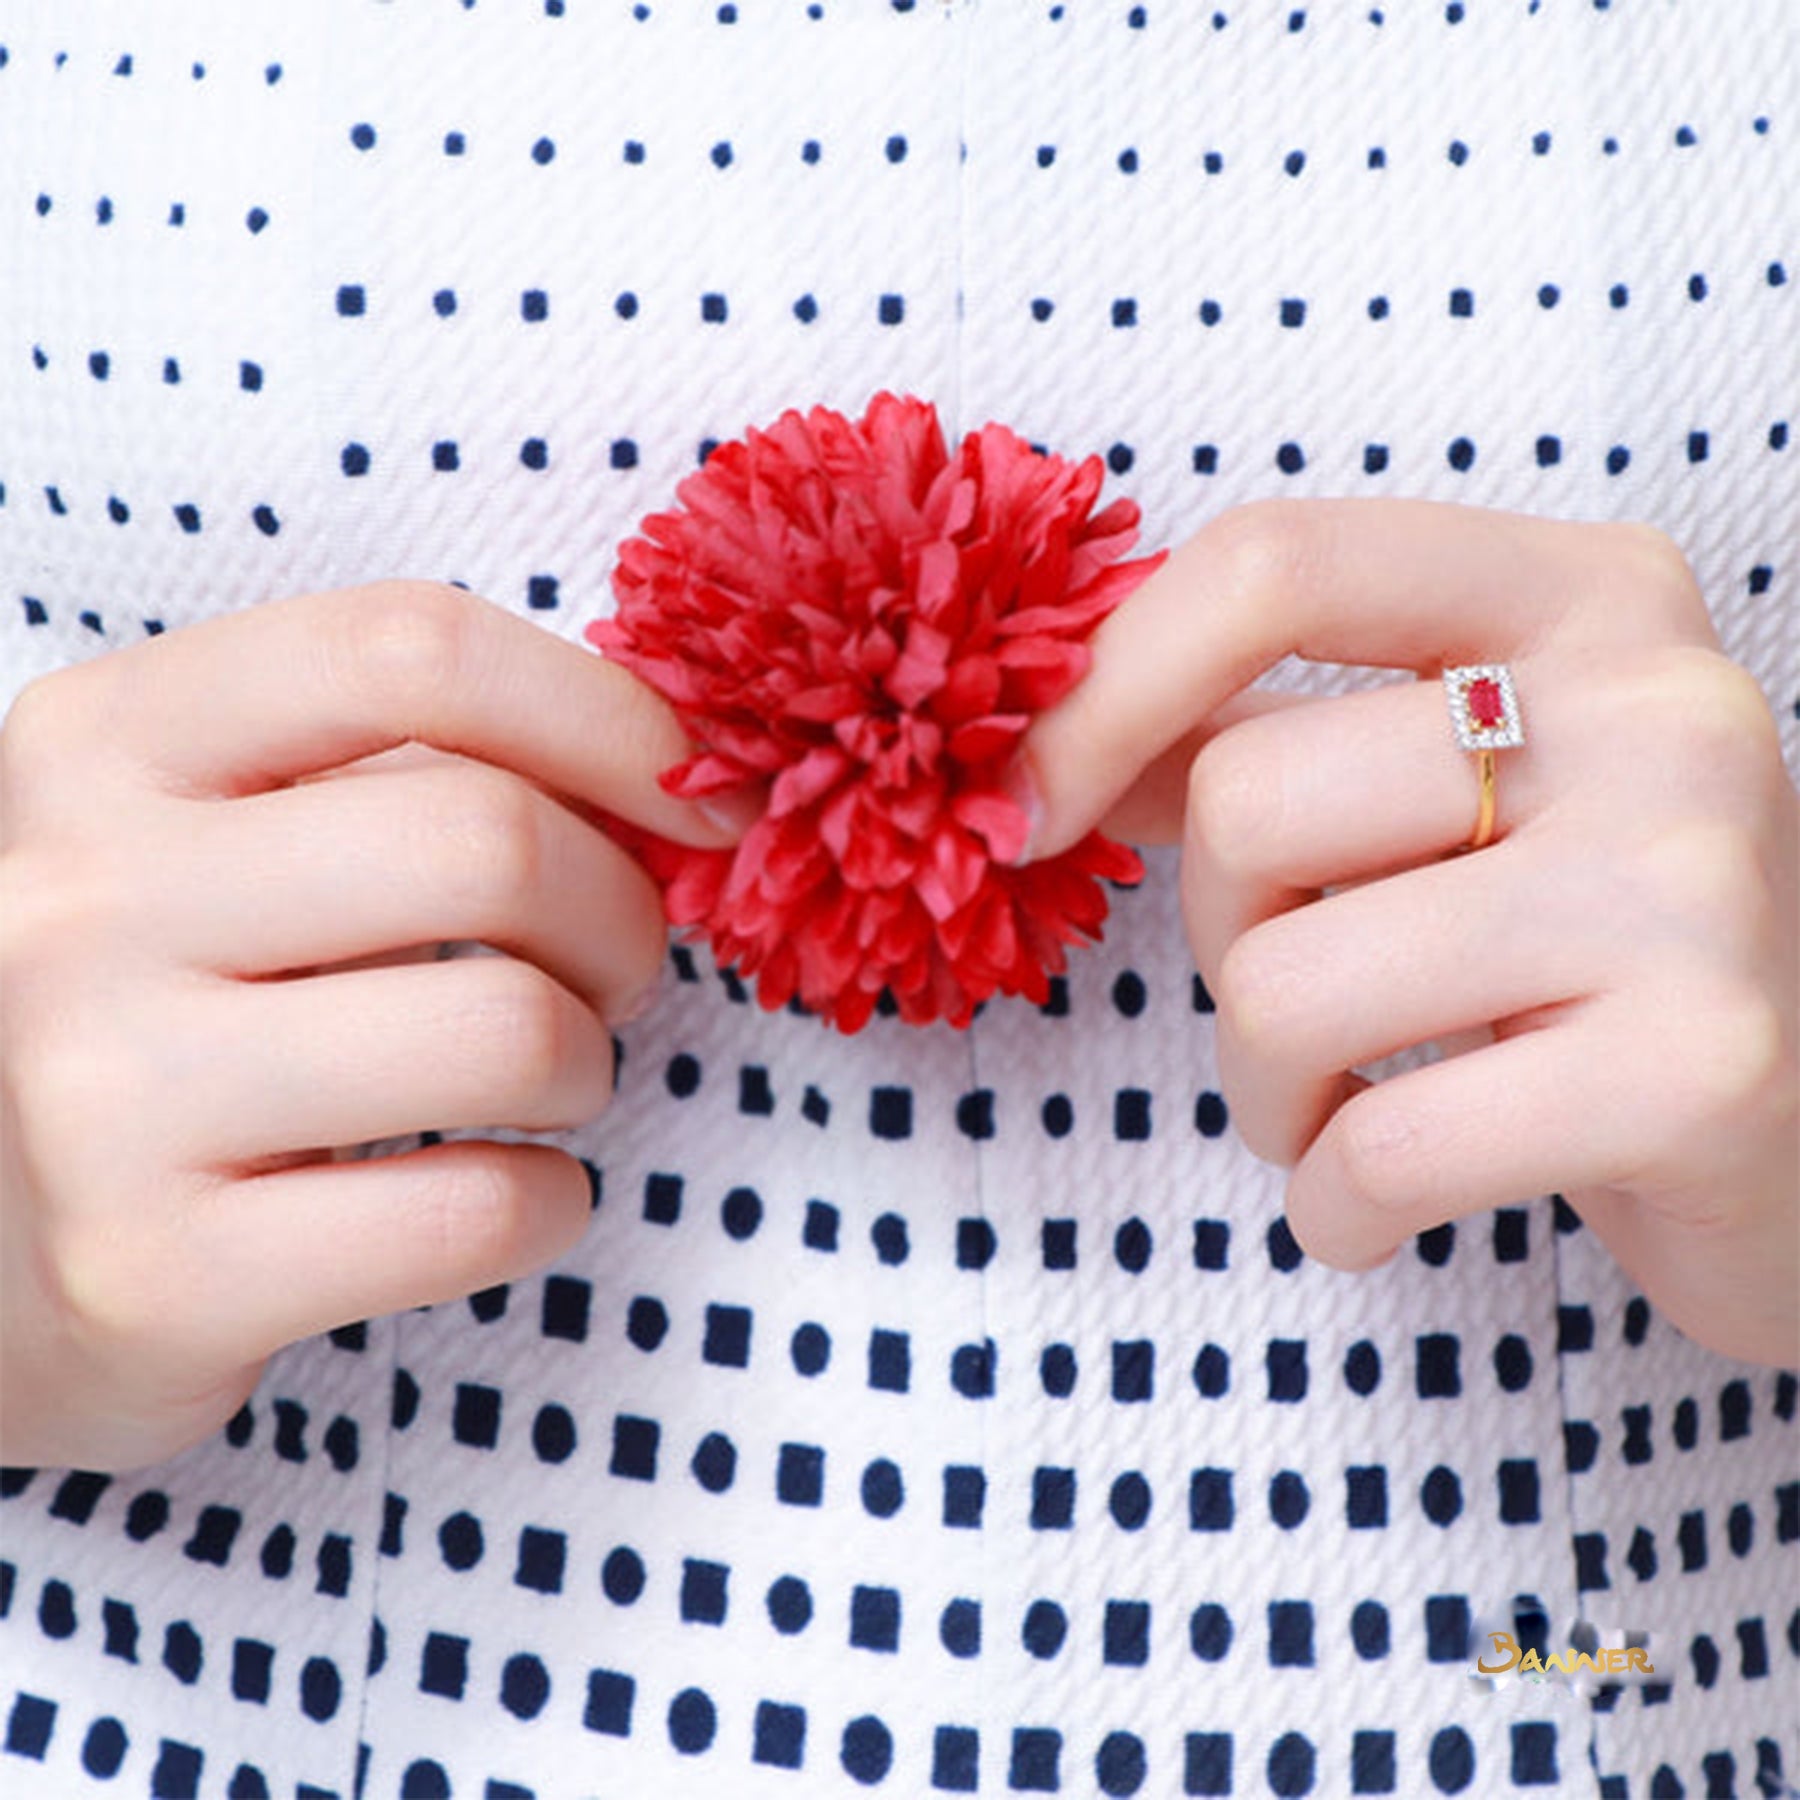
x: 1484, y: 709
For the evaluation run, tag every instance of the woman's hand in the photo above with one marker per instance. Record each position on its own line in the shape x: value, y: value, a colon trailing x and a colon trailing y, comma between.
x: 217, y: 966
x: 1625, y: 948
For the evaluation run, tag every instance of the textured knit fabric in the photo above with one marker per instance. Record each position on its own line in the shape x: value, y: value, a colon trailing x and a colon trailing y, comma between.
x: 925, y: 1412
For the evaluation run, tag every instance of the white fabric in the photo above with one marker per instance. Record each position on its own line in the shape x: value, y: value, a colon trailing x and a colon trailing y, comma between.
x: 351, y: 1592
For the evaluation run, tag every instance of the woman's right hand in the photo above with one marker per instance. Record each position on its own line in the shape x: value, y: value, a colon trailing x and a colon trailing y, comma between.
x: 226, y: 857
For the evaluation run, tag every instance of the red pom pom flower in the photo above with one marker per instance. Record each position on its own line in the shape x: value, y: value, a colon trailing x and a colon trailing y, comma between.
x: 854, y: 618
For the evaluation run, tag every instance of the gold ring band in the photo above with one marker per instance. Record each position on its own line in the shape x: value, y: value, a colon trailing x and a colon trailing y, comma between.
x: 1484, y: 712
x: 1484, y: 817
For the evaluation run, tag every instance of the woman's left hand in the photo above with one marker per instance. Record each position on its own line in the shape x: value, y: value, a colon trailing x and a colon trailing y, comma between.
x: 1624, y: 947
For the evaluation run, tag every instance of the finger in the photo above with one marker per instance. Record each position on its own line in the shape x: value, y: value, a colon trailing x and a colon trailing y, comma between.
x: 258, y: 698
x: 1570, y: 1106
x: 308, y: 1249
x: 1387, y: 583
x: 377, y: 1053
x: 451, y: 850
x: 1152, y: 809
x: 1309, y: 996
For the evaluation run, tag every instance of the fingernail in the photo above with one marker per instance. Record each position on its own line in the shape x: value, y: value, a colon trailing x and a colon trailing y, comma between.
x: 635, y: 1008
x: 732, y: 814
x: 1019, y: 787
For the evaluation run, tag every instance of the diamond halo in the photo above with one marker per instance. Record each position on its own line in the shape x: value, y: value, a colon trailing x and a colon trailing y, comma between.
x: 1484, y: 708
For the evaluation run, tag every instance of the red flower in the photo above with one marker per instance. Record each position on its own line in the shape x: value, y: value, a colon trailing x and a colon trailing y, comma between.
x: 862, y: 622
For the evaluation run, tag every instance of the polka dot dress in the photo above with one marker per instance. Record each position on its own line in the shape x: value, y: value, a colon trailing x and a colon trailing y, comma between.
x: 924, y: 1412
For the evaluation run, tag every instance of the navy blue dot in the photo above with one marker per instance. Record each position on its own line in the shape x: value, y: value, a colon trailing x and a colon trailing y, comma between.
x: 524, y: 1686
x: 806, y: 309
x: 1289, y: 1501
x: 543, y: 151
x: 1044, y: 1630
x: 1292, y: 1765
x: 883, y: 1490
x: 895, y: 149
x: 621, y: 1575
x: 1440, y: 1494
x: 891, y: 309
x: 534, y: 306
x: 714, y: 1462
x: 1458, y: 152
x: 352, y: 301
x: 265, y: 520
x: 445, y: 457
x: 1369, y: 1631
x: 1041, y: 309
x: 867, y: 1751
x: 1548, y: 452
x: 790, y: 1605
x: 255, y: 220
x: 693, y: 1721
x: 1120, y: 458
x: 1461, y: 454
x: 534, y: 453
x: 1696, y: 287
x: 1132, y: 1245
x: 810, y: 1349
x: 1290, y: 459
x: 1210, y: 1632
x: 721, y: 155
x: 1294, y: 161
x: 1540, y: 144
x: 1378, y: 307
x: 646, y: 1322
x: 1377, y: 158
x: 1058, y: 1115
x: 889, y: 1236
x: 553, y: 1434
x: 1120, y: 1764
x: 1212, y: 1371
x: 460, y: 1541
x: 1452, y: 1760
x: 741, y: 1213
x: 959, y: 1628
x: 99, y: 364
x: 103, y: 1749
x: 623, y: 453
x: 1057, y: 1370
x: 1129, y: 1501
x: 1618, y: 459
x: 455, y: 143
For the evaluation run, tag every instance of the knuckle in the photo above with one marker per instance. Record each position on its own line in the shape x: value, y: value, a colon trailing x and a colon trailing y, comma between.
x: 1376, y: 1147
x: 1232, y: 803
x: 479, y: 1214
x: 1722, y: 716
x: 1709, y: 892
x: 1264, y: 549
x: 485, y: 842
x: 526, y: 1023
x: 1742, y: 1062
x: 1261, y: 990
x: 402, y: 643
x: 32, y: 726
x: 1650, y: 569
x: 106, y: 1287
x: 555, y: 1057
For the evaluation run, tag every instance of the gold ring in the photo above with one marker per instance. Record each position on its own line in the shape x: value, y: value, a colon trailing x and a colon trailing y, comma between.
x: 1484, y: 712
